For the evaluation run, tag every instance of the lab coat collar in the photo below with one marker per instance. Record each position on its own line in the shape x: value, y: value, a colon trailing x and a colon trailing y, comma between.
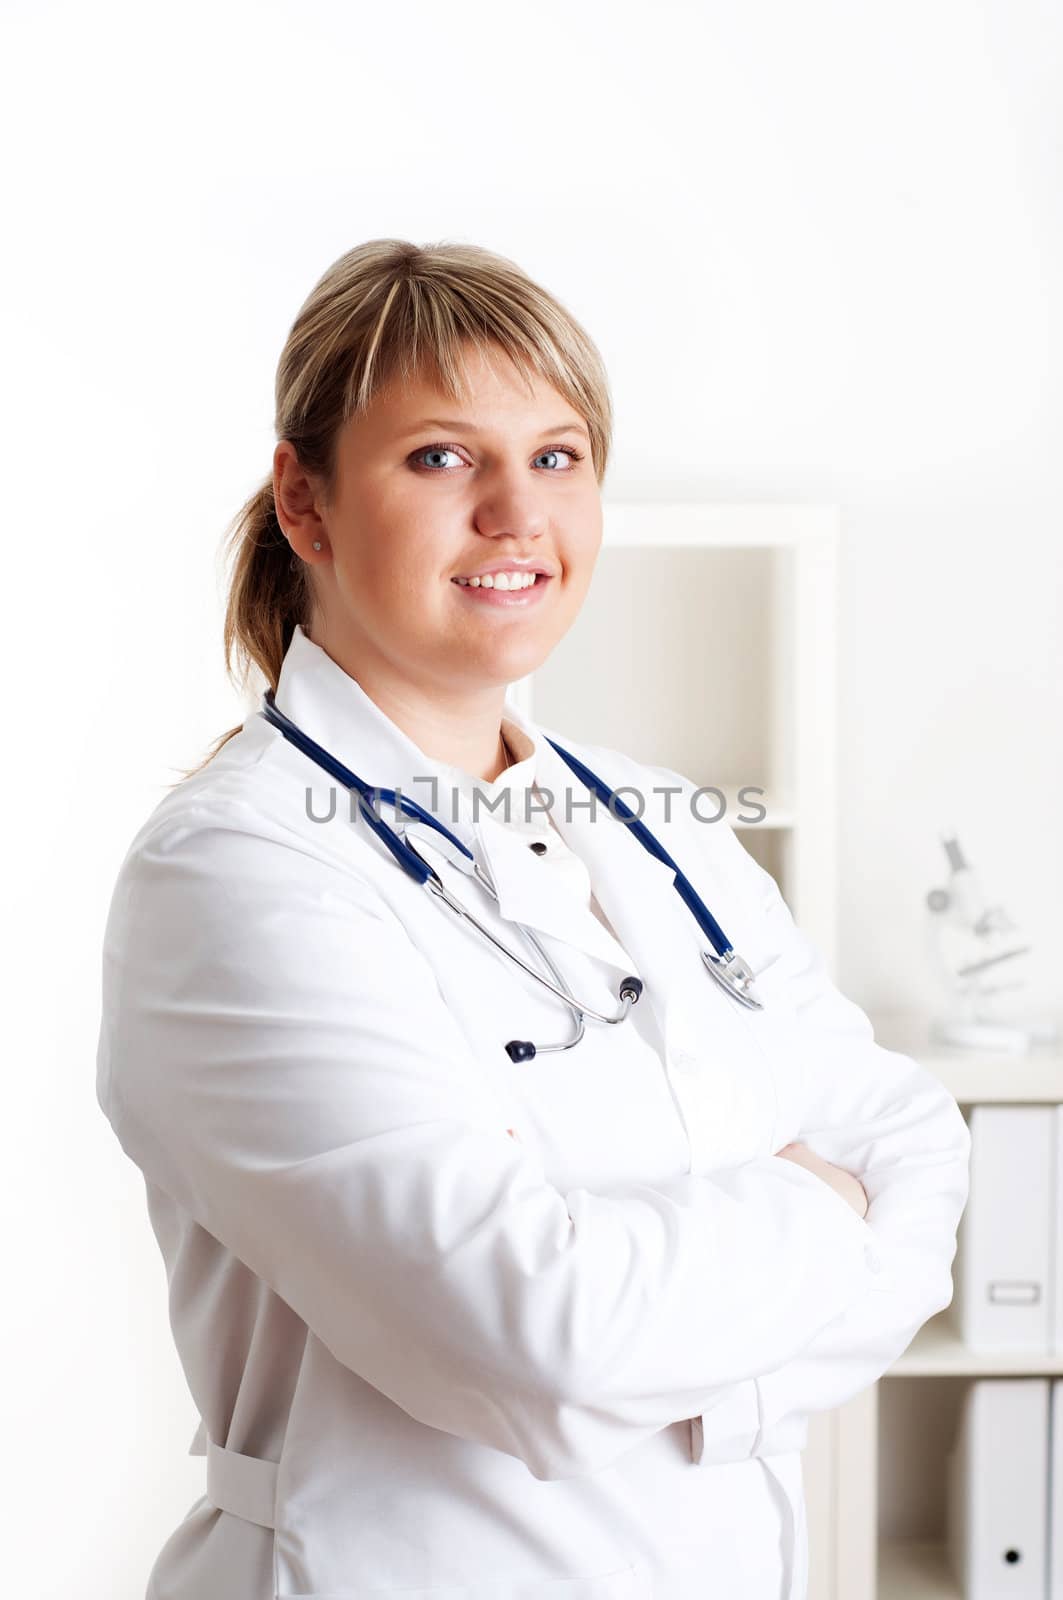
x: 332, y: 707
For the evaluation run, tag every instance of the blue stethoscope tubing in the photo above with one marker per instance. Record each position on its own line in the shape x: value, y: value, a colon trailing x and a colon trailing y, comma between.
x: 724, y: 964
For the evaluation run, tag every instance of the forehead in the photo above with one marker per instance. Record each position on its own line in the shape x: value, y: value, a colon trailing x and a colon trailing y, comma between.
x: 497, y: 395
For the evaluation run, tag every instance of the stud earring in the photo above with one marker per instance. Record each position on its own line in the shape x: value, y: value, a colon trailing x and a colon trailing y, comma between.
x: 317, y: 544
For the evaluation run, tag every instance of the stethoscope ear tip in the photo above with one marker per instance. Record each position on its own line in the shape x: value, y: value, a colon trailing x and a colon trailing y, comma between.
x: 520, y: 1050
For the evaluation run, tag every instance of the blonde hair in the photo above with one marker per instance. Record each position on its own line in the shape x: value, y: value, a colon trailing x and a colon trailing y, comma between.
x: 387, y: 307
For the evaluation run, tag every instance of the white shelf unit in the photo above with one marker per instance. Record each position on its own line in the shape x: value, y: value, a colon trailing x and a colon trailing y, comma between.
x: 912, y: 1426
x: 708, y: 644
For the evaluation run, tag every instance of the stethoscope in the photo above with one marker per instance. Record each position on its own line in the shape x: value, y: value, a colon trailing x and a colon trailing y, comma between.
x: 725, y: 965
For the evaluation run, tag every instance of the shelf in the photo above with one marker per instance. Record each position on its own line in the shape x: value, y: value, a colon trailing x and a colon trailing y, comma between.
x: 913, y: 1570
x: 938, y: 1351
x: 975, y: 1077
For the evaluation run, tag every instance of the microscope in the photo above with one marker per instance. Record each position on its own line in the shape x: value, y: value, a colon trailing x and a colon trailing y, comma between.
x: 979, y: 954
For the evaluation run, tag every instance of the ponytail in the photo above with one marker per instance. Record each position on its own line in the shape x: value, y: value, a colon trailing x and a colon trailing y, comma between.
x: 268, y: 594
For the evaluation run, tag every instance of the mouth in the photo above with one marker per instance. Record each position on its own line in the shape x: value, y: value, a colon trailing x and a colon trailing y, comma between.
x: 513, y: 593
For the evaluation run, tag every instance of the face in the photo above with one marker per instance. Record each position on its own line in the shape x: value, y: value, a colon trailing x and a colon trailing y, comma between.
x: 420, y: 503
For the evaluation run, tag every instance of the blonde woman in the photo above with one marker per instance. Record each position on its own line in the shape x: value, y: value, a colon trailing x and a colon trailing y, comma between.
x: 482, y: 1294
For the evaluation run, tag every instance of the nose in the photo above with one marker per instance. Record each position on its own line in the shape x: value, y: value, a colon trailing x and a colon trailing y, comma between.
x: 516, y: 512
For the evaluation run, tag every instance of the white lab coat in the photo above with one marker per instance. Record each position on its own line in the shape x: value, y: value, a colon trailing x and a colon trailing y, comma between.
x: 438, y: 1359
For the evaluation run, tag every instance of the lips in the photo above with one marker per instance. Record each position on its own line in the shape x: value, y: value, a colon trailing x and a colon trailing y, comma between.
x: 516, y: 600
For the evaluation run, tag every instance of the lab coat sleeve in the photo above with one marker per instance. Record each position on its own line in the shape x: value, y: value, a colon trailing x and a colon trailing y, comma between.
x: 872, y: 1111
x: 276, y: 1055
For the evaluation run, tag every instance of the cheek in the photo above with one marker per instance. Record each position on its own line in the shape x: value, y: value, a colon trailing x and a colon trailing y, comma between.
x: 384, y: 532
x: 384, y: 566
x: 582, y: 548
x: 580, y: 563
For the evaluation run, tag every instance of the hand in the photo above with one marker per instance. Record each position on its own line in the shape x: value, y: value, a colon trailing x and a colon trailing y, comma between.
x: 843, y: 1183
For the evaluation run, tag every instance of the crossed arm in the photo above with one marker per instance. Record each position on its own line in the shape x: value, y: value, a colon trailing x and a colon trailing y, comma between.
x: 888, y: 1121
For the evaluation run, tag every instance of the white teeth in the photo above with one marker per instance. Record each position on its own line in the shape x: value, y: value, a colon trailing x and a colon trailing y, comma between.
x: 500, y: 580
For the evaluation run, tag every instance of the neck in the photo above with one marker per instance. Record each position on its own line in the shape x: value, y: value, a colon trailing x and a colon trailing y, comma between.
x: 458, y: 728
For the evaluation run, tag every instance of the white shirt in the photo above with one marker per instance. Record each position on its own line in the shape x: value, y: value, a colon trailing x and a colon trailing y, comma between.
x: 514, y: 799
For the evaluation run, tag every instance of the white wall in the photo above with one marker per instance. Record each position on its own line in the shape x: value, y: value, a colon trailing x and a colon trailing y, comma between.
x: 820, y: 248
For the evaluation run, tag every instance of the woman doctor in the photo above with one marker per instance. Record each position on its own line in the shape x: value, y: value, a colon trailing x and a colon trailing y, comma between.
x: 463, y: 1323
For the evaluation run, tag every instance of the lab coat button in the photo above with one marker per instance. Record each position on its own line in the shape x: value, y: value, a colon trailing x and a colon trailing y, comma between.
x: 872, y: 1257
x: 538, y: 846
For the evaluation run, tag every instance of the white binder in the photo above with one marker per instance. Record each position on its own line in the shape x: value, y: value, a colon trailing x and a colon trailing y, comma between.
x: 1006, y: 1280
x: 1057, y: 1242
x: 1055, y: 1499
x: 997, y: 1485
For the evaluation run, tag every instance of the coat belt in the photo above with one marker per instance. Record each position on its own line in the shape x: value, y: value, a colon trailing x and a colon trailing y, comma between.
x: 246, y: 1486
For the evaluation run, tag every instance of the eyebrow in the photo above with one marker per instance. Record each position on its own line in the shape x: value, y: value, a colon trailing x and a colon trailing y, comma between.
x: 458, y: 425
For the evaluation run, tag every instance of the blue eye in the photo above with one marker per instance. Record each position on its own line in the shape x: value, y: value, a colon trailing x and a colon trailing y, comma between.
x: 452, y: 449
x: 435, y: 450
x: 562, y: 450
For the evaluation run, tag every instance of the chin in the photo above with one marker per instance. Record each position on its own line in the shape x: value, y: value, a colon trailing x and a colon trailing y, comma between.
x: 519, y: 663
x: 504, y: 668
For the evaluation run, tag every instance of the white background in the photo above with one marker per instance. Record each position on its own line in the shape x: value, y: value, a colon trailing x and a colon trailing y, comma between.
x: 819, y: 246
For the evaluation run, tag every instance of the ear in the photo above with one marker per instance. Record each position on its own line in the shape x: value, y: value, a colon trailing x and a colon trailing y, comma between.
x: 295, y: 498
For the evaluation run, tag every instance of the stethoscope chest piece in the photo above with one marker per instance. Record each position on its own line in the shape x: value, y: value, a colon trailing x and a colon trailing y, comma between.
x: 733, y: 975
